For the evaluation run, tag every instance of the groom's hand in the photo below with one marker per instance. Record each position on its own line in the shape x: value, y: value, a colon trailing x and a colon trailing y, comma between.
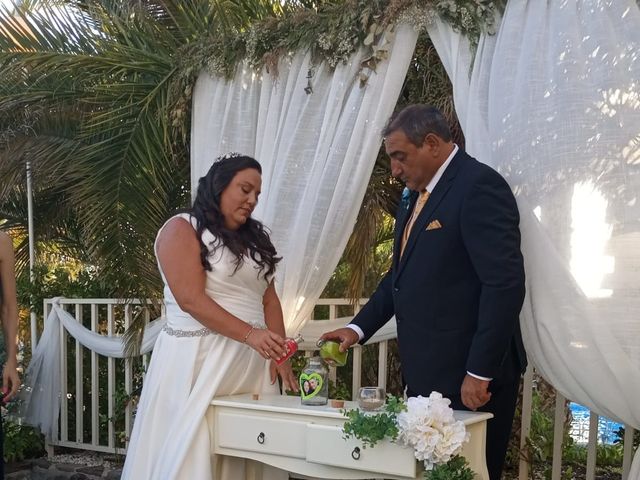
x: 346, y: 336
x: 474, y: 392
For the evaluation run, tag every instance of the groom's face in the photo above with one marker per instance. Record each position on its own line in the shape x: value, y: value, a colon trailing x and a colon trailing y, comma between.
x: 413, y: 165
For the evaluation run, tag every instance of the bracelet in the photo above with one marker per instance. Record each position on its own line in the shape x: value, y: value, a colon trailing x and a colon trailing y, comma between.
x: 248, y: 333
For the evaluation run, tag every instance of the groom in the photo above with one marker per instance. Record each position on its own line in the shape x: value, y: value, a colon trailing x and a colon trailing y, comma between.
x: 456, y: 285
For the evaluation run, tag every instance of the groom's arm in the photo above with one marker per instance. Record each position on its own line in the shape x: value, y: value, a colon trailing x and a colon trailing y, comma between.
x: 377, y: 311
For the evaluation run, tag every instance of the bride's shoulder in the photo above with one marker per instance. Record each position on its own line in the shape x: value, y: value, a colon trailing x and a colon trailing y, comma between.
x: 176, y: 227
x: 179, y: 225
x: 6, y: 244
x: 179, y: 220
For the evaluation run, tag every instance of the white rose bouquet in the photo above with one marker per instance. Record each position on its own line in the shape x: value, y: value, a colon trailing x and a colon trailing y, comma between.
x: 428, y: 426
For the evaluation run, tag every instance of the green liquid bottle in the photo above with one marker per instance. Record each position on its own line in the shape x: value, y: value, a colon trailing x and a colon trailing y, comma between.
x: 331, y: 354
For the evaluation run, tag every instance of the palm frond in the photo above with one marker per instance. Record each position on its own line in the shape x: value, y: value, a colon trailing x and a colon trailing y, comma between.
x: 371, y: 229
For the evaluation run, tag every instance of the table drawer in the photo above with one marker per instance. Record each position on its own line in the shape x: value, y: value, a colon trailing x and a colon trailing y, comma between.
x: 261, y: 434
x: 325, y: 445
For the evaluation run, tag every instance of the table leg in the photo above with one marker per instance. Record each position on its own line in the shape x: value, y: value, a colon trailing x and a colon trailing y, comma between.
x: 475, y: 450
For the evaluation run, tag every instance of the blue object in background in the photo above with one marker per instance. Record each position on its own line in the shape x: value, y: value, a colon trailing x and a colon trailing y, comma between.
x: 404, y: 200
x: 579, y: 429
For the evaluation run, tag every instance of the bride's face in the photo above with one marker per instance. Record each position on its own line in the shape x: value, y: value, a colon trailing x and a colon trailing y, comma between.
x: 238, y: 200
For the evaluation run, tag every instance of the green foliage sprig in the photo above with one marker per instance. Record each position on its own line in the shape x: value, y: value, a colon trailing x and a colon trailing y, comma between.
x: 21, y: 442
x: 455, y: 469
x: 372, y: 428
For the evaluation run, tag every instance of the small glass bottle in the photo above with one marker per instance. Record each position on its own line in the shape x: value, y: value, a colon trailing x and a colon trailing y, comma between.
x: 331, y: 354
x: 314, y: 382
x: 291, y: 346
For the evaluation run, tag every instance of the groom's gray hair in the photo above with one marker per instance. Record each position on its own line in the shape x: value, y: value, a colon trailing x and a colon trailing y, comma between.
x: 416, y: 121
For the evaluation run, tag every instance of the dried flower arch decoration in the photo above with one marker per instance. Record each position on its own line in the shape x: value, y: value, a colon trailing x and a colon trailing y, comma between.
x: 334, y: 32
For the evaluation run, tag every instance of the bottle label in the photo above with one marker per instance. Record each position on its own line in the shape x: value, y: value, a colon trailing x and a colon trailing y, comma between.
x: 291, y: 347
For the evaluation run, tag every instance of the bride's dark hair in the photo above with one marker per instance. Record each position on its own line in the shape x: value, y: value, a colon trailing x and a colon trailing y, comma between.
x: 251, y: 238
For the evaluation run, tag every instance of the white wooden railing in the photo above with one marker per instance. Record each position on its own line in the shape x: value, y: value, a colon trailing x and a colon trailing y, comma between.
x: 113, y: 316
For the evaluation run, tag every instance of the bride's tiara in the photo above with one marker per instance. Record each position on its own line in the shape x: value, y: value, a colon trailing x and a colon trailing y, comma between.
x: 227, y: 156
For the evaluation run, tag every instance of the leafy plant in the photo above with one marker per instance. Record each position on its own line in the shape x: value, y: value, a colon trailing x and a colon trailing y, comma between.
x: 538, y: 450
x: 21, y: 441
x: 455, y: 469
x: 339, y: 390
x: 620, y: 437
x: 371, y: 429
x: 72, y: 281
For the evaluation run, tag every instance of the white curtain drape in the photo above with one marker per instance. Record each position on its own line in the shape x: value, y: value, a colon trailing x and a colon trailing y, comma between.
x: 317, y: 151
x: 553, y: 102
x: 40, y: 399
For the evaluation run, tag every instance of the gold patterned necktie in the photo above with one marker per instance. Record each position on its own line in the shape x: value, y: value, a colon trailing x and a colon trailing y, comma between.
x: 422, y: 200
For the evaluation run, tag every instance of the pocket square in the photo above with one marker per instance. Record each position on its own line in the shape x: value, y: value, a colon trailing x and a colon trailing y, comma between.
x: 433, y: 225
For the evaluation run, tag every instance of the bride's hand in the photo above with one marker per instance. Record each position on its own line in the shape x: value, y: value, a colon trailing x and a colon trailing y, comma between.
x: 266, y: 343
x: 289, y: 381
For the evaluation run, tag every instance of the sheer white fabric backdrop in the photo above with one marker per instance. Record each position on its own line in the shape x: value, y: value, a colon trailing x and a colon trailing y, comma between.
x: 553, y: 102
x: 41, y: 398
x: 317, y: 152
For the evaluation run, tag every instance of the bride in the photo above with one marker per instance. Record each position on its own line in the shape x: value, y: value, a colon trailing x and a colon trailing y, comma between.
x: 224, y: 329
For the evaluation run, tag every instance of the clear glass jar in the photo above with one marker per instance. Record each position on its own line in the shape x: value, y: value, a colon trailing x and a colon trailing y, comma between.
x: 314, y: 382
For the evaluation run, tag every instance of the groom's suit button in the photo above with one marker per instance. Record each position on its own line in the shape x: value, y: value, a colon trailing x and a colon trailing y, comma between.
x: 396, y: 289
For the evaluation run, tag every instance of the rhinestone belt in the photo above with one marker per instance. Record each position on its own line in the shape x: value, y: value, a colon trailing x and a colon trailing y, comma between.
x: 202, y: 332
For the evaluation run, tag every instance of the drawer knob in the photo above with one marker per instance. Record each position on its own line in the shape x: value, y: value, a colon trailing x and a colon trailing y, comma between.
x: 356, y: 453
x: 261, y: 438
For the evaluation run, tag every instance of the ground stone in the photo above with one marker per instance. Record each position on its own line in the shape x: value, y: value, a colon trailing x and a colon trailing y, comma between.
x: 42, y: 462
x: 95, y: 471
x: 67, y: 467
x: 114, y: 474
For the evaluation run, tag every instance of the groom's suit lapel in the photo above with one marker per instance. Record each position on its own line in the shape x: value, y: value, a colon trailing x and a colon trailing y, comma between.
x: 438, y: 194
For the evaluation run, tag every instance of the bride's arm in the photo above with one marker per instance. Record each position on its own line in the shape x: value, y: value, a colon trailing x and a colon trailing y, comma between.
x: 273, y: 310
x: 274, y: 319
x: 179, y: 256
x: 9, y: 317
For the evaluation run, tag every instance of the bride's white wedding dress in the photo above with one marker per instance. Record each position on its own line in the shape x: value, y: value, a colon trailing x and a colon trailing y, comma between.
x: 189, y: 366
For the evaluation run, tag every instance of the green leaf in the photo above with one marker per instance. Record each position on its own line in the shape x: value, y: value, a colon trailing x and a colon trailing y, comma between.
x: 372, y: 428
x: 457, y: 468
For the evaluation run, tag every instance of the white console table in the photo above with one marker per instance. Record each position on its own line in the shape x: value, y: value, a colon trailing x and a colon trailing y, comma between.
x: 279, y: 431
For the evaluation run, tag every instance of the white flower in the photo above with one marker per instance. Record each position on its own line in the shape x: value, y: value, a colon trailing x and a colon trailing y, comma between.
x: 429, y: 427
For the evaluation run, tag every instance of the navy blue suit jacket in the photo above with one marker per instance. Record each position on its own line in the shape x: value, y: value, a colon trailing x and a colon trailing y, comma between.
x: 458, y: 289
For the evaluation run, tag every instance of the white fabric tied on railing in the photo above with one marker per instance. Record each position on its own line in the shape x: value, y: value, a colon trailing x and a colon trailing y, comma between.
x: 41, y: 396
x: 553, y: 102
